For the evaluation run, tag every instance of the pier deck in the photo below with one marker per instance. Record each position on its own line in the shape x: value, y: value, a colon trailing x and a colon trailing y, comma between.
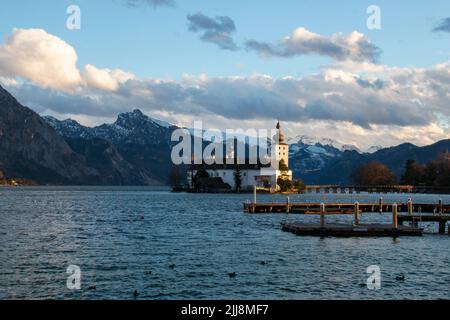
x: 344, y: 230
x: 413, y: 213
x: 343, y: 208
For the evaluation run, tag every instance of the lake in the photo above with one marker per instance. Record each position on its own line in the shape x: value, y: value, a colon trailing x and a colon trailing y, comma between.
x: 183, y: 246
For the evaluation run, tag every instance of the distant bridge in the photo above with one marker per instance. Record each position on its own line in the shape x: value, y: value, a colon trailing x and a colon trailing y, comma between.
x: 350, y: 189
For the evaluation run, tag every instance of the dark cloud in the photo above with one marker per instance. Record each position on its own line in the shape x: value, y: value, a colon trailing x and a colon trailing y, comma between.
x: 153, y: 3
x: 443, y: 26
x: 354, y: 47
x: 215, y: 30
x: 316, y: 97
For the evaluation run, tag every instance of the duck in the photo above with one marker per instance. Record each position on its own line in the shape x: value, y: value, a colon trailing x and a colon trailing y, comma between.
x: 232, y: 274
x: 400, y: 278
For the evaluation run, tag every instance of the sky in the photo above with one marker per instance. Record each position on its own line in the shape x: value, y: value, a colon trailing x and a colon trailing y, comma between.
x: 314, y: 65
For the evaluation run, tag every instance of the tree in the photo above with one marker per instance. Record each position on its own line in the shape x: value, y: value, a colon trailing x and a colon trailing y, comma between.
x: 414, y: 173
x: 372, y: 174
x: 176, y: 178
x: 238, y: 179
x: 299, y: 185
x: 202, y: 173
x: 284, y: 184
x: 430, y: 173
x: 442, y: 172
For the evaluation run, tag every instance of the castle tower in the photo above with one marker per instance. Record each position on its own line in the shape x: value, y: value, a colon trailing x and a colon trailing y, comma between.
x: 280, y: 147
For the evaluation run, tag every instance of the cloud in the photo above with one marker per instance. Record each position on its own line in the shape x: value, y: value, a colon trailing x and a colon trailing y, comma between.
x: 105, y: 79
x: 354, y: 47
x: 152, y: 3
x: 49, y: 62
x: 216, y: 30
x: 443, y: 26
x: 42, y: 58
x: 371, y: 99
x: 404, y: 97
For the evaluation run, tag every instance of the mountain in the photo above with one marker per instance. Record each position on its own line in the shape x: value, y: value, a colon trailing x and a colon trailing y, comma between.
x: 336, y: 167
x: 140, y: 143
x: 310, y: 141
x: 136, y: 149
x: 308, y: 157
x: 31, y: 149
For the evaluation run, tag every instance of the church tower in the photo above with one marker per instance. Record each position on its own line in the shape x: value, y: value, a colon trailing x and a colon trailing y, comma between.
x: 280, y: 147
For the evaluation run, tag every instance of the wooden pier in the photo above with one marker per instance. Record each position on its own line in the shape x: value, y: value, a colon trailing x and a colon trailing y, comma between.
x: 411, y: 212
x: 344, y: 230
x: 442, y: 220
x: 343, y: 208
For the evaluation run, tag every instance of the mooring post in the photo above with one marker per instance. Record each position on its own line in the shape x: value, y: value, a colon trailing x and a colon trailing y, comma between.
x: 356, y: 212
x: 440, y: 207
x: 254, y: 194
x: 410, y: 207
x: 394, y: 216
x: 322, y: 215
x: 380, y: 203
x: 287, y: 204
x: 442, y: 224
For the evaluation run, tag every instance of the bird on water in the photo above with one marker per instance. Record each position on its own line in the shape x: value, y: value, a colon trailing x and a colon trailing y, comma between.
x: 400, y: 278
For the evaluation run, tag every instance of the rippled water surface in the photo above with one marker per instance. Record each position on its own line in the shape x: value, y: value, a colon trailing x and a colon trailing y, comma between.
x: 125, y: 239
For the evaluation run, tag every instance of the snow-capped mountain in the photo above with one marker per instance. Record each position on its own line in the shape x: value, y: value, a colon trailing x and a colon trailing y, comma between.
x: 374, y: 149
x: 143, y: 143
x: 130, y: 127
x: 310, y: 141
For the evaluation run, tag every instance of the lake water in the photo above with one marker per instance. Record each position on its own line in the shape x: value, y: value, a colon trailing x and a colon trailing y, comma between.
x: 125, y: 239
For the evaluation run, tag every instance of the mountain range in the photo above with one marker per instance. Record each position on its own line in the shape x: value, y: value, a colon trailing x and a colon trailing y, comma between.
x: 135, y: 150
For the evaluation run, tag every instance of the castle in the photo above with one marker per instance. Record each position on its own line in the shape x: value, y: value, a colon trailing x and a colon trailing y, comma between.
x: 259, y: 175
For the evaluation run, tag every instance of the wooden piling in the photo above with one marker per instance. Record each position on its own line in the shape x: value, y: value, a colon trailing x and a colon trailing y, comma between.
x: 380, y: 203
x: 356, y: 213
x: 322, y: 215
x: 441, y: 211
x: 287, y: 205
x: 410, y: 207
x: 442, y: 227
x: 394, y: 216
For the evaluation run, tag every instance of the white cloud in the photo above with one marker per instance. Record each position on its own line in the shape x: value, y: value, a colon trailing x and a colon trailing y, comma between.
x: 354, y: 47
x: 49, y: 62
x: 105, y: 79
x: 352, y: 101
x: 40, y: 57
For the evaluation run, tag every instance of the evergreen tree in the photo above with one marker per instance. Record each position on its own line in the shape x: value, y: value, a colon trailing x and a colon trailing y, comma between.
x: 176, y: 178
x: 202, y: 173
x: 299, y: 185
x: 414, y: 173
x: 238, y: 178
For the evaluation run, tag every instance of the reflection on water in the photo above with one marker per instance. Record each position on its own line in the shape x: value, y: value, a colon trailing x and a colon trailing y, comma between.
x: 125, y: 239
